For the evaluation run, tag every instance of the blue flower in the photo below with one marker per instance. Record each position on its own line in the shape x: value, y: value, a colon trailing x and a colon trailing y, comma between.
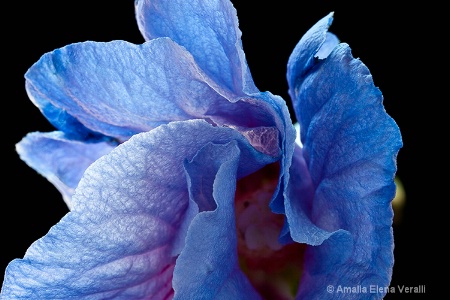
x: 184, y: 180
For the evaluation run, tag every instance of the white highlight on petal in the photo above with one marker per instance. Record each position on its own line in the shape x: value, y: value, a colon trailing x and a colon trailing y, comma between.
x: 297, y: 129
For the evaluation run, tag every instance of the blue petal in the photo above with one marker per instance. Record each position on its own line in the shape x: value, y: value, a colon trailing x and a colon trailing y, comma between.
x: 128, y: 209
x: 119, y: 89
x: 350, y: 148
x: 304, y: 54
x: 300, y: 194
x: 208, y: 267
x: 207, y: 29
x: 328, y: 45
x: 60, y: 160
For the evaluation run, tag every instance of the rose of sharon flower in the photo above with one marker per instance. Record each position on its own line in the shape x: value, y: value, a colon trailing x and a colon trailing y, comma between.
x: 184, y: 180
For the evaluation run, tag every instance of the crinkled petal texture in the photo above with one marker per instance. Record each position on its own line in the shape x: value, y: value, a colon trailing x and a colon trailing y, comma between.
x: 62, y: 161
x: 127, y: 224
x: 350, y: 147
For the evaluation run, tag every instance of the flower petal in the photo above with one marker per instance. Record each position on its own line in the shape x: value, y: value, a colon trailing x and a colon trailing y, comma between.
x: 207, y: 29
x: 303, y: 57
x: 60, y: 160
x: 300, y: 193
x: 117, y: 88
x: 350, y: 148
x: 208, y: 266
x: 128, y: 209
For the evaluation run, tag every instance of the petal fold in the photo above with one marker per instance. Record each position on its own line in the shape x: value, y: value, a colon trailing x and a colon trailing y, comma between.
x: 208, y: 267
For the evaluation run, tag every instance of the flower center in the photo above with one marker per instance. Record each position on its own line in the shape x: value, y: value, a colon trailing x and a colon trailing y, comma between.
x: 273, y: 269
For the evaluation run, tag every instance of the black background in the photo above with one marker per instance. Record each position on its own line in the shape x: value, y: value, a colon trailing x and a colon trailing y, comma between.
x: 391, y: 40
